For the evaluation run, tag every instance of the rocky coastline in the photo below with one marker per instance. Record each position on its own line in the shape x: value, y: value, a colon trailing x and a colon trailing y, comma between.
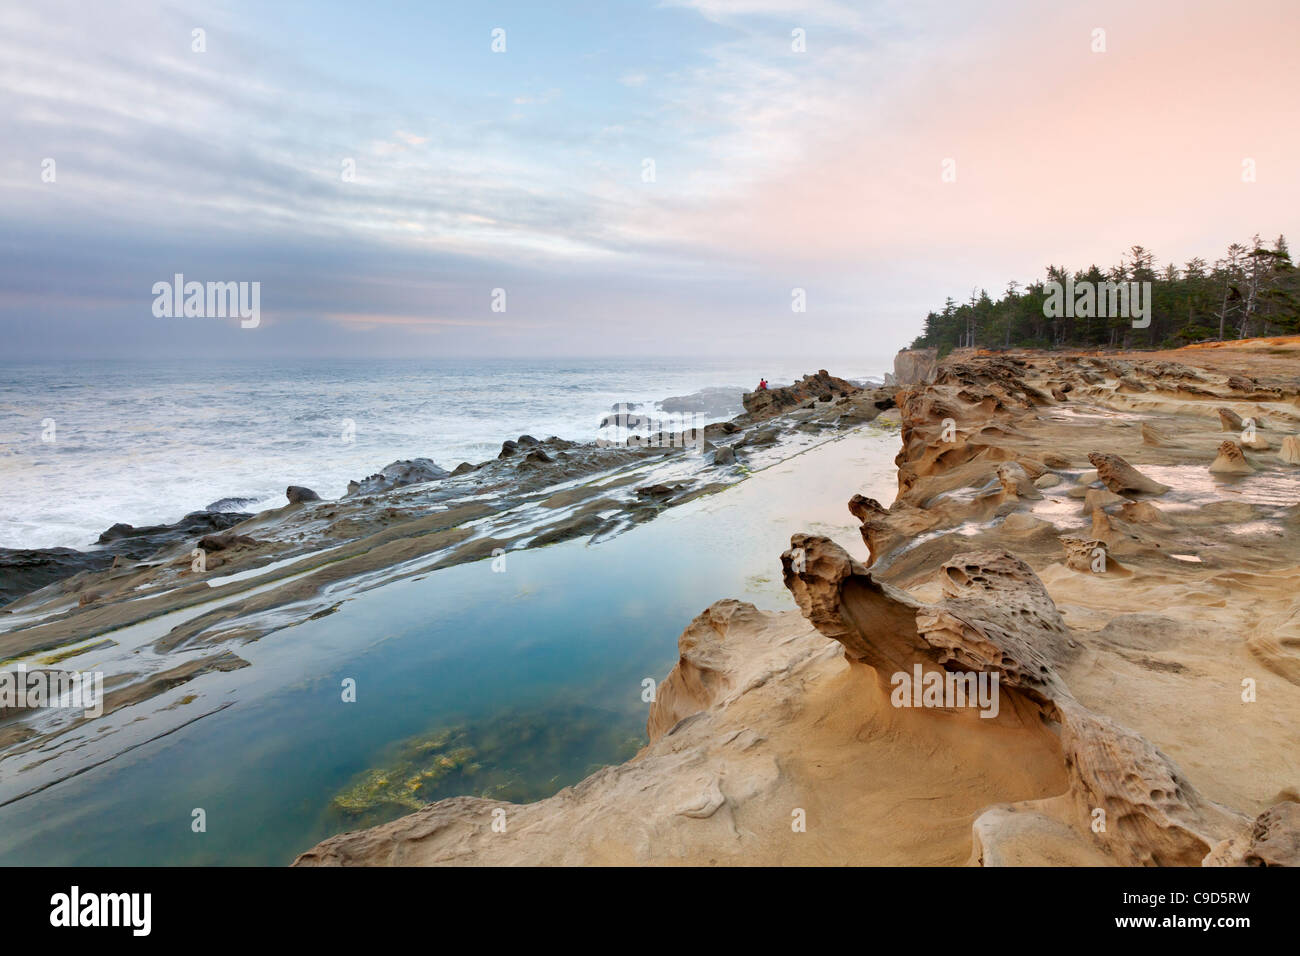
x: 160, y: 606
x: 1110, y: 539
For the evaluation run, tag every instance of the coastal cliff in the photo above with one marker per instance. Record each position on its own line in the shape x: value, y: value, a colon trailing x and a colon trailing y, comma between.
x: 1110, y: 540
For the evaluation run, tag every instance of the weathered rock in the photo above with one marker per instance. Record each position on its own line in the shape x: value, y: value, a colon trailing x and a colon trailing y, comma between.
x: 1231, y: 460
x: 708, y: 734
x: 996, y: 617
x: 702, y: 675
x: 1015, y: 481
x: 764, y: 403
x: 23, y: 570
x: 230, y: 504
x: 1290, y: 450
x: 914, y: 366
x: 1090, y: 555
x: 1154, y: 436
x: 132, y: 542
x: 1273, y: 839
x: 1122, y: 478
x: 537, y: 457
x: 1097, y: 499
x: 226, y: 541
x: 399, y: 474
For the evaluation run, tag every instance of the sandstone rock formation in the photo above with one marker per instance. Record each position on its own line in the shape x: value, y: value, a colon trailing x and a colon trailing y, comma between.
x: 979, y: 567
x: 997, y: 617
x: 1290, y: 451
x: 914, y: 366
x: 822, y: 387
x: 1231, y: 460
x: 1230, y: 420
x: 1122, y: 478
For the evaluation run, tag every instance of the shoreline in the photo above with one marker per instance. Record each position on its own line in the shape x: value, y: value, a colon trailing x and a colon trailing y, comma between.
x: 1125, y: 736
x: 157, y: 625
x: 147, y: 447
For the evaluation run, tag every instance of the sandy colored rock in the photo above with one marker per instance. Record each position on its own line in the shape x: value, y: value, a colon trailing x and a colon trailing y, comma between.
x: 1290, y: 450
x: 997, y: 617
x: 1230, y: 420
x: 767, y: 711
x: 1231, y: 460
x: 1122, y: 478
x: 1151, y: 435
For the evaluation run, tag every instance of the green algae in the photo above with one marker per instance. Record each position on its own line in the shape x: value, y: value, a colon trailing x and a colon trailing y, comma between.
x: 496, y: 758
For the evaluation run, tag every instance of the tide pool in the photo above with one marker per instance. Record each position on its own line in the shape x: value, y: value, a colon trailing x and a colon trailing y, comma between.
x: 506, y: 684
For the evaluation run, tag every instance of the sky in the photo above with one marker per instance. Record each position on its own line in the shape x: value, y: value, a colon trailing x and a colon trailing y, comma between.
x: 637, y: 178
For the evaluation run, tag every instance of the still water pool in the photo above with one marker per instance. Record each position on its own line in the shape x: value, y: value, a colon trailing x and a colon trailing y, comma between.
x: 509, y: 685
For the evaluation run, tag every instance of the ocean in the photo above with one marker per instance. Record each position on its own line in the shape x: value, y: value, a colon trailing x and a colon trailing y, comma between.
x: 84, y: 445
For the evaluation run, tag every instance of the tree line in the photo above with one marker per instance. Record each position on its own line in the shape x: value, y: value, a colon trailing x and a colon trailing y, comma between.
x: 1253, y: 290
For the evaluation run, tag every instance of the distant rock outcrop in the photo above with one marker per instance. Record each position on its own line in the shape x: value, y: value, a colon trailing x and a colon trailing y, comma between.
x: 23, y: 570
x: 414, y: 471
x: 822, y: 387
x: 26, y: 569
x: 914, y: 366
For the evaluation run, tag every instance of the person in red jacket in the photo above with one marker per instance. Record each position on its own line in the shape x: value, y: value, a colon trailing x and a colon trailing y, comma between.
x: 762, y: 384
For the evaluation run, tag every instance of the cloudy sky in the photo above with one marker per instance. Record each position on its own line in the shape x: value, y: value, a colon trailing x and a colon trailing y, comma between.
x: 774, y: 168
